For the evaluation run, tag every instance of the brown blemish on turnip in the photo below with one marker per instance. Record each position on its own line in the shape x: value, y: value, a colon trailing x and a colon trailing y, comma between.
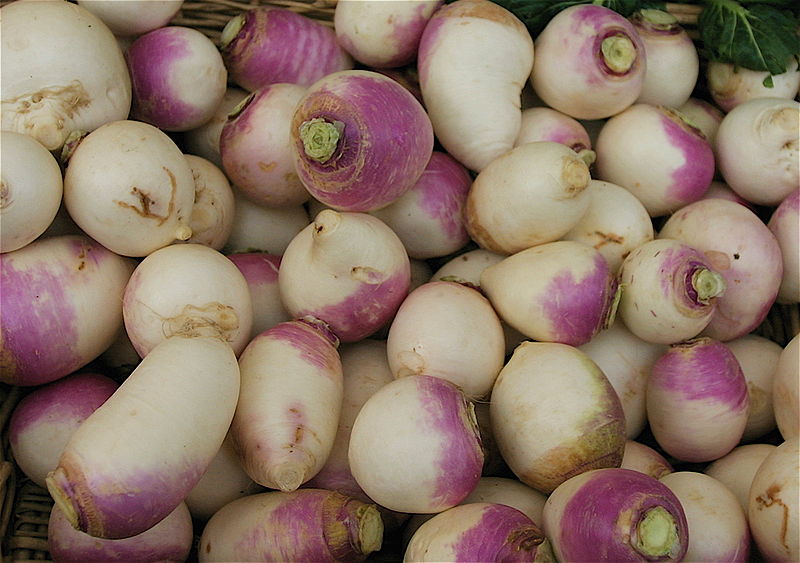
x: 771, y: 499
x: 146, y: 202
x: 211, y: 319
x: 607, y: 238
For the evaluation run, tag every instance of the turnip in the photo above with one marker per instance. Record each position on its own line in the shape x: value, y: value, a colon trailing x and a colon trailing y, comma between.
x: 730, y: 85
x: 533, y: 194
x: 773, y: 504
x: 697, y: 402
x: 478, y: 531
x: 360, y: 140
x: 758, y: 357
x: 429, y: 217
x: 669, y: 291
x: 63, y: 71
x: 474, y: 42
x: 785, y: 224
x: 764, y: 170
x: 178, y: 78
x: 429, y: 424
x: 703, y: 115
x: 599, y: 72
x: 721, y: 190
x: 615, y: 514
x: 717, y: 524
x: 626, y: 361
x: 347, y: 269
x: 740, y: 247
x: 467, y: 267
x: 545, y: 431
x: 382, y: 34
x: 169, y: 540
x: 121, y: 357
x: 133, y: 17
x: 270, y: 44
x: 291, y: 397
x: 541, y: 123
x: 256, y: 149
x: 615, y: 223
x: 204, y: 140
x: 561, y: 291
x: 461, y: 339
x: 673, y: 64
x: 737, y: 468
x: 656, y: 154
x: 786, y: 390
x: 145, y: 204
x: 263, y: 229
x: 645, y: 459
x: 174, y: 411
x: 214, y: 210
x: 44, y: 420
x: 260, y: 270
x: 190, y: 290
x: 60, y: 307
x: 31, y: 190
x: 303, y: 525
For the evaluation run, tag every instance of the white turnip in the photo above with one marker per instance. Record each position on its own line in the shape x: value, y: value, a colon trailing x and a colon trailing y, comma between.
x: 541, y: 123
x: 263, y: 229
x: 786, y: 390
x: 214, y: 210
x: 133, y: 17
x: 467, y: 267
x: 204, y: 140
x: 704, y: 115
x: 645, y: 459
x: 785, y: 224
x: 737, y: 468
x: 730, y: 85
x: 260, y: 270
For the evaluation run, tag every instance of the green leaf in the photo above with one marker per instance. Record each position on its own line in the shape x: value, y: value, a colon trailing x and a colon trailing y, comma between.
x: 759, y: 36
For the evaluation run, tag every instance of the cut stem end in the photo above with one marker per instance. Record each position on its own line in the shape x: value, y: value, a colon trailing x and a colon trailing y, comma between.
x: 657, y: 534
x: 320, y: 138
x: 619, y: 53
x: 708, y: 284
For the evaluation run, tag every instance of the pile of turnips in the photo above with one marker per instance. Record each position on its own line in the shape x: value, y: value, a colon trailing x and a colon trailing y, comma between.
x: 417, y: 284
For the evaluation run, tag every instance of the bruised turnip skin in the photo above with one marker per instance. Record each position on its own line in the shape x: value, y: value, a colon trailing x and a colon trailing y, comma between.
x: 60, y: 307
x: 697, y: 401
x: 214, y: 210
x: 543, y: 441
x: 190, y: 290
x: 626, y: 361
x: 479, y: 531
x: 303, y: 525
x: 766, y: 169
x: 361, y: 140
x: 645, y: 459
x: 773, y: 504
x: 133, y: 17
x: 129, y: 187
x: 429, y: 217
x: 657, y: 155
x: 561, y: 291
x: 717, y: 525
x: 291, y: 397
x: 533, y: 194
x: 63, y: 71
x: 785, y: 224
x: 269, y: 45
x: 673, y: 63
x: 178, y: 78
x: 260, y: 270
x: 737, y: 468
x: 541, y: 123
x: 168, y: 540
x: 347, y: 269
x: 743, y: 250
x: 382, y: 34
x: 43, y: 421
x: 428, y: 422
x: 595, y: 75
x: 471, y: 42
x: 264, y: 229
x: 615, y: 514
x: 669, y: 291
x: 729, y: 85
x: 615, y: 223
x: 174, y: 411
x: 203, y: 141
x: 786, y: 390
x: 461, y: 339
x: 256, y: 149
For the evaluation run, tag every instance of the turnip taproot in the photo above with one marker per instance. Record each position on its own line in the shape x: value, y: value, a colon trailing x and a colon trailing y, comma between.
x: 471, y: 42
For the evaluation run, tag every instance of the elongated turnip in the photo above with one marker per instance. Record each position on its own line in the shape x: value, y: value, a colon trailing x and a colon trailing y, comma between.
x: 174, y: 411
x: 561, y: 291
x: 615, y: 515
x: 599, y: 72
x: 786, y: 390
x: 737, y: 468
x: 544, y: 441
x: 741, y: 248
x: 430, y: 424
x: 347, y: 269
x: 260, y: 270
x: 214, y: 210
x: 730, y: 85
x: 361, y: 140
x: 533, y: 194
x: 63, y: 71
x: 303, y: 525
x: 785, y: 224
x: 645, y: 459
x: 471, y: 42
x: 60, y: 307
